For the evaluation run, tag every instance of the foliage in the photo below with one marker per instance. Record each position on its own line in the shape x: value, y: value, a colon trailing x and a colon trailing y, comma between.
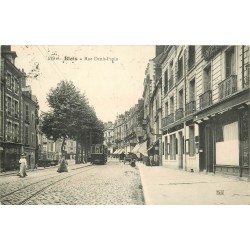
x: 70, y: 115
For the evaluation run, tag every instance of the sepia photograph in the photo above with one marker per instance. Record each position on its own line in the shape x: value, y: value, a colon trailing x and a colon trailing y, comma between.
x: 124, y: 125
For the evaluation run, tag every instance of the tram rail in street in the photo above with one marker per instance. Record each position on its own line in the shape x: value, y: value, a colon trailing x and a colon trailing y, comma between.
x: 22, y: 202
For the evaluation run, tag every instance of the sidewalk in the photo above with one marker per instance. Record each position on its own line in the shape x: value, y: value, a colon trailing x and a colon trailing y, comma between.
x: 166, y: 186
x: 11, y: 172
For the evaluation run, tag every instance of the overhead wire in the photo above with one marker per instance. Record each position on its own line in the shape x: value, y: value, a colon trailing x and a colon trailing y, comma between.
x: 56, y: 66
x: 51, y: 66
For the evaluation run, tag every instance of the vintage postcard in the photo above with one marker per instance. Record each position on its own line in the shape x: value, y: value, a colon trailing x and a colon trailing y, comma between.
x: 124, y: 125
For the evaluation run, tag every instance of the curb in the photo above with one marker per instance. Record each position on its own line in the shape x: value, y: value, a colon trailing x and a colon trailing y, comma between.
x: 140, y: 166
x: 15, y: 172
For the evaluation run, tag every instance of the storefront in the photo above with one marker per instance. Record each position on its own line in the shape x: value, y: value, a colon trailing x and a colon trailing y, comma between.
x: 224, y: 137
x: 11, y: 154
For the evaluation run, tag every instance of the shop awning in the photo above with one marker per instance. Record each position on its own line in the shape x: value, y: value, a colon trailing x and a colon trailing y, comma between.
x: 121, y: 151
x: 136, y: 149
x: 115, y: 153
x: 143, y: 148
x: 151, y: 146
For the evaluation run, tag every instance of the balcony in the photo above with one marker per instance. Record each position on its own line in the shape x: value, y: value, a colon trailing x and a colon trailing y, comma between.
x: 15, y: 139
x: 205, y: 99
x: 168, y: 120
x: 190, y: 107
x: 179, y: 113
x: 228, y: 86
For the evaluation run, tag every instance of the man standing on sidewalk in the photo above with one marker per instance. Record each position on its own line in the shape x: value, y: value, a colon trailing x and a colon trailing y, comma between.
x: 151, y: 160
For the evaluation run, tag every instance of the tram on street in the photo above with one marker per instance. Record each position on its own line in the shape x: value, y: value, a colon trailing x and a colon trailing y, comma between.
x: 99, y: 154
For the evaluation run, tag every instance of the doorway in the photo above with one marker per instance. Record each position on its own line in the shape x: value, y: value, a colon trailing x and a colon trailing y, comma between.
x: 209, y: 155
x: 180, y: 150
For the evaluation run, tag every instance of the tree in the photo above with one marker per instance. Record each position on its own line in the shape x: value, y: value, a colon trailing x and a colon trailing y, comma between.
x: 70, y: 116
x: 66, y: 106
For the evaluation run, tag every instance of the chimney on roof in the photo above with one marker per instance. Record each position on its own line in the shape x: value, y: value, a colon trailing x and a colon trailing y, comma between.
x: 159, y: 49
x: 8, y: 54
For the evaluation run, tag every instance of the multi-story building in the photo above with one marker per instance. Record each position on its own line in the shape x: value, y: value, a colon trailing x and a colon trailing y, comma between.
x: 2, y: 115
x: 134, y: 132
x: 109, y: 137
x: 206, y: 108
x: 178, y: 90
x: 152, y: 95
x: 70, y: 149
x: 18, y: 114
x: 223, y: 109
x: 128, y: 130
x: 29, y: 102
x: 11, y: 110
x: 119, y: 132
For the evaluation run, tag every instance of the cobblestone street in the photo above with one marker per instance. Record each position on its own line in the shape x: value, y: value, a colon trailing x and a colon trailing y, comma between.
x: 111, y: 184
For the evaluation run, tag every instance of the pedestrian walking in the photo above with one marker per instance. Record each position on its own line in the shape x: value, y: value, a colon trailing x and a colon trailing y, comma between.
x: 62, y: 165
x: 151, y: 158
x: 132, y: 164
x: 23, y: 166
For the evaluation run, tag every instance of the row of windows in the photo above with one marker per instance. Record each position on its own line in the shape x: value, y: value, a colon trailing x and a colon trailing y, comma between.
x: 12, y: 106
x: 12, y: 83
x: 189, y: 147
x: 12, y: 131
x: 230, y: 70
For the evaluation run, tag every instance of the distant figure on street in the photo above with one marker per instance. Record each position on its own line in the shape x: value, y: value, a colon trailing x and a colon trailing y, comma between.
x: 151, y: 158
x: 62, y: 165
x: 132, y: 164
x: 23, y: 166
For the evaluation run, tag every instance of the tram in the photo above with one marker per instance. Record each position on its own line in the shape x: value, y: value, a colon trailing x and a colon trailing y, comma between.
x: 99, y: 153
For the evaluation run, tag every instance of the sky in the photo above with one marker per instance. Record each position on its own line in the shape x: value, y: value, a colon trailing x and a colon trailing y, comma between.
x: 110, y: 76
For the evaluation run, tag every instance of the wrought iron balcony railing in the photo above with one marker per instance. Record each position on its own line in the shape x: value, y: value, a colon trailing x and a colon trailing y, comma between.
x: 228, y: 86
x: 205, y: 99
x: 190, y: 107
x: 179, y: 113
x: 168, y: 120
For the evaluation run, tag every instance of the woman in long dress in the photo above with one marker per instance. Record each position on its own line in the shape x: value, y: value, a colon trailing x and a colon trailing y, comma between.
x: 62, y: 165
x: 23, y: 166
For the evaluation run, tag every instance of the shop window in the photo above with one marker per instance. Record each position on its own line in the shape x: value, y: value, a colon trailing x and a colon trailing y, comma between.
x: 172, y: 147
x: 166, y: 148
x: 191, y: 141
x: 219, y: 133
